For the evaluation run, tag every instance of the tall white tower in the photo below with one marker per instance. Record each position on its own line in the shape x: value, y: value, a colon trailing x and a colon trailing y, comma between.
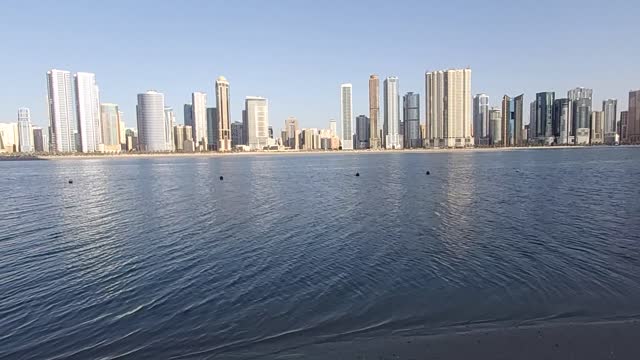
x: 346, y: 116
x: 199, y: 111
x: 393, y: 140
x: 88, y: 112
x: 60, y: 108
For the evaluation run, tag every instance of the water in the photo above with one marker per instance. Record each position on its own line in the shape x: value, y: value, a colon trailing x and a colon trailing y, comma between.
x: 158, y: 258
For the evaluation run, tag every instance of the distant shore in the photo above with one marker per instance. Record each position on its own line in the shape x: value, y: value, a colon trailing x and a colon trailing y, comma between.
x: 584, y: 341
x: 16, y: 157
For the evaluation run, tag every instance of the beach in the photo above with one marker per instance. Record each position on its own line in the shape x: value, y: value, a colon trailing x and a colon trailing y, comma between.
x: 588, y: 341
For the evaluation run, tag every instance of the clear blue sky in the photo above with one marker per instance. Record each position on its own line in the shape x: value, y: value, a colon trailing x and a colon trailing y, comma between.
x: 297, y: 53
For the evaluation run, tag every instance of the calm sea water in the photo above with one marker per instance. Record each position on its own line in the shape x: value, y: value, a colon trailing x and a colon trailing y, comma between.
x: 157, y: 258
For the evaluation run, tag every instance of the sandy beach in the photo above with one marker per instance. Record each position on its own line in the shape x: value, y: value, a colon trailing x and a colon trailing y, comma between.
x: 586, y: 341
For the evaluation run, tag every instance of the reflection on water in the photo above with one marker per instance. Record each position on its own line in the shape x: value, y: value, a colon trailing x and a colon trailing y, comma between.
x: 158, y: 258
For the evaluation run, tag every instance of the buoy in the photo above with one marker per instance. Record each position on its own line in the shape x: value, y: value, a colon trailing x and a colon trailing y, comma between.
x: 428, y: 173
x: 221, y: 178
x: 357, y: 174
x: 70, y: 181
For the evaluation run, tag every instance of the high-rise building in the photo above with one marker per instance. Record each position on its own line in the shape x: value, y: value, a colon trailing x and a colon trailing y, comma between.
x: 633, y: 120
x: 200, y: 133
x: 597, y: 128
x: 531, y: 133
x: 362, y: 132
x: 212, y: 128
x: 495, y: 126
x: 544, y: 117
x: 257, y: 114
x: 110, y: 125
x: 178, y: 137
x: 123, y: 129
x: 39, y: 140
x: 448, y: 108
x: 333, y: 126
x: 9, y: 138
x: 624, y: 127
x: 391, y: 98
x: 562, y: 121
x: 511, y: 124
x: 61, y: 112
x: 374, y: 111
x: 25, y: 130
x: 310, y: 139
x: 151, y: 122
x: 346, y: 116
x: 169, y: 123
x: 88, y: 112
x: 188, y: 115
x: 237, y: 133
x: 270, y: 132
x: 293, y: 133
x: 581, y: 99
x: 411, y: 120
x: 224, y: 114
x: 481, y: 119
x: 610, y: 109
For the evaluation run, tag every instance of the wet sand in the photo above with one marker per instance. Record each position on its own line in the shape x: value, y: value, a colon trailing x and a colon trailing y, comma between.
x: 592, y: 341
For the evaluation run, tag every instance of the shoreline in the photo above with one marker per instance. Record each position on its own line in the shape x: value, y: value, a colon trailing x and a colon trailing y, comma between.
x: 5, y: 157
x: 585, y: 341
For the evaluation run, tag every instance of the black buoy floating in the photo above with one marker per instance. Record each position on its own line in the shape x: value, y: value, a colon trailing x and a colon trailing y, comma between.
x: 70, y: 181
x: 221, y: 178
x: 428, y: 173
x: 357, y: 174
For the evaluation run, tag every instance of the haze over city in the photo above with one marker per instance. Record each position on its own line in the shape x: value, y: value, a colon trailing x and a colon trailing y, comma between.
x: 297, y: 53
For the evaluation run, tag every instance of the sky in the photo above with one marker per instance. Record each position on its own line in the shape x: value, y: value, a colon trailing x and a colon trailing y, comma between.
x: 297, y: 53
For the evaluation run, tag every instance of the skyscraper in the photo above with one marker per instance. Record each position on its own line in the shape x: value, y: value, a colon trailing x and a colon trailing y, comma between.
x: 508, y: 122
x: 237, y: 133
x: 39, y: 140
x: 597, y: 127
x: 518, y: 106
x: 200, y: 133
x: 178, y: 137
x: 151, y: 122
x: 212, y: 128
x: 391, y: 98
x: 562, y: 121
x: 224, y: 114
x: 362, y: 132
x: 110, y: 125
x: 610, y: 109
x: 633, y: 120
x: 581, y: 99
x: 61, y: 114
x: 346, y: 116
x: 88, y: 112
x: 188, y: 116
x: 123, y: 130
x: 448, y: 107
x: 495, y: 126
x: 624, y: 127
x: 411, y: 120
x: 257, y: 114
x: 480, y: 119
x: 374, y: 110
x: 531, y: 134
x: 169, y: 123
x: 544, y: 117
x: 25, y: 131
x: 293, y: 132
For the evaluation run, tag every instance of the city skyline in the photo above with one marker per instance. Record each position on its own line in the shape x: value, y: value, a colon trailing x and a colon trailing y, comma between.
x: 280, y: 74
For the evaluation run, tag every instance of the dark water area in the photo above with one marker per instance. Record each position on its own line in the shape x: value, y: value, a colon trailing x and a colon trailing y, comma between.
x: 158, y: 258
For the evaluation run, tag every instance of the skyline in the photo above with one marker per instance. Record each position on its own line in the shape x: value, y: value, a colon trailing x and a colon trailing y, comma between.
x: 288, y: 65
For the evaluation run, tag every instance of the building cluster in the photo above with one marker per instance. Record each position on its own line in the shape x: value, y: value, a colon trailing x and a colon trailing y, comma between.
x: 564, y: 121
x: 80, y: 122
